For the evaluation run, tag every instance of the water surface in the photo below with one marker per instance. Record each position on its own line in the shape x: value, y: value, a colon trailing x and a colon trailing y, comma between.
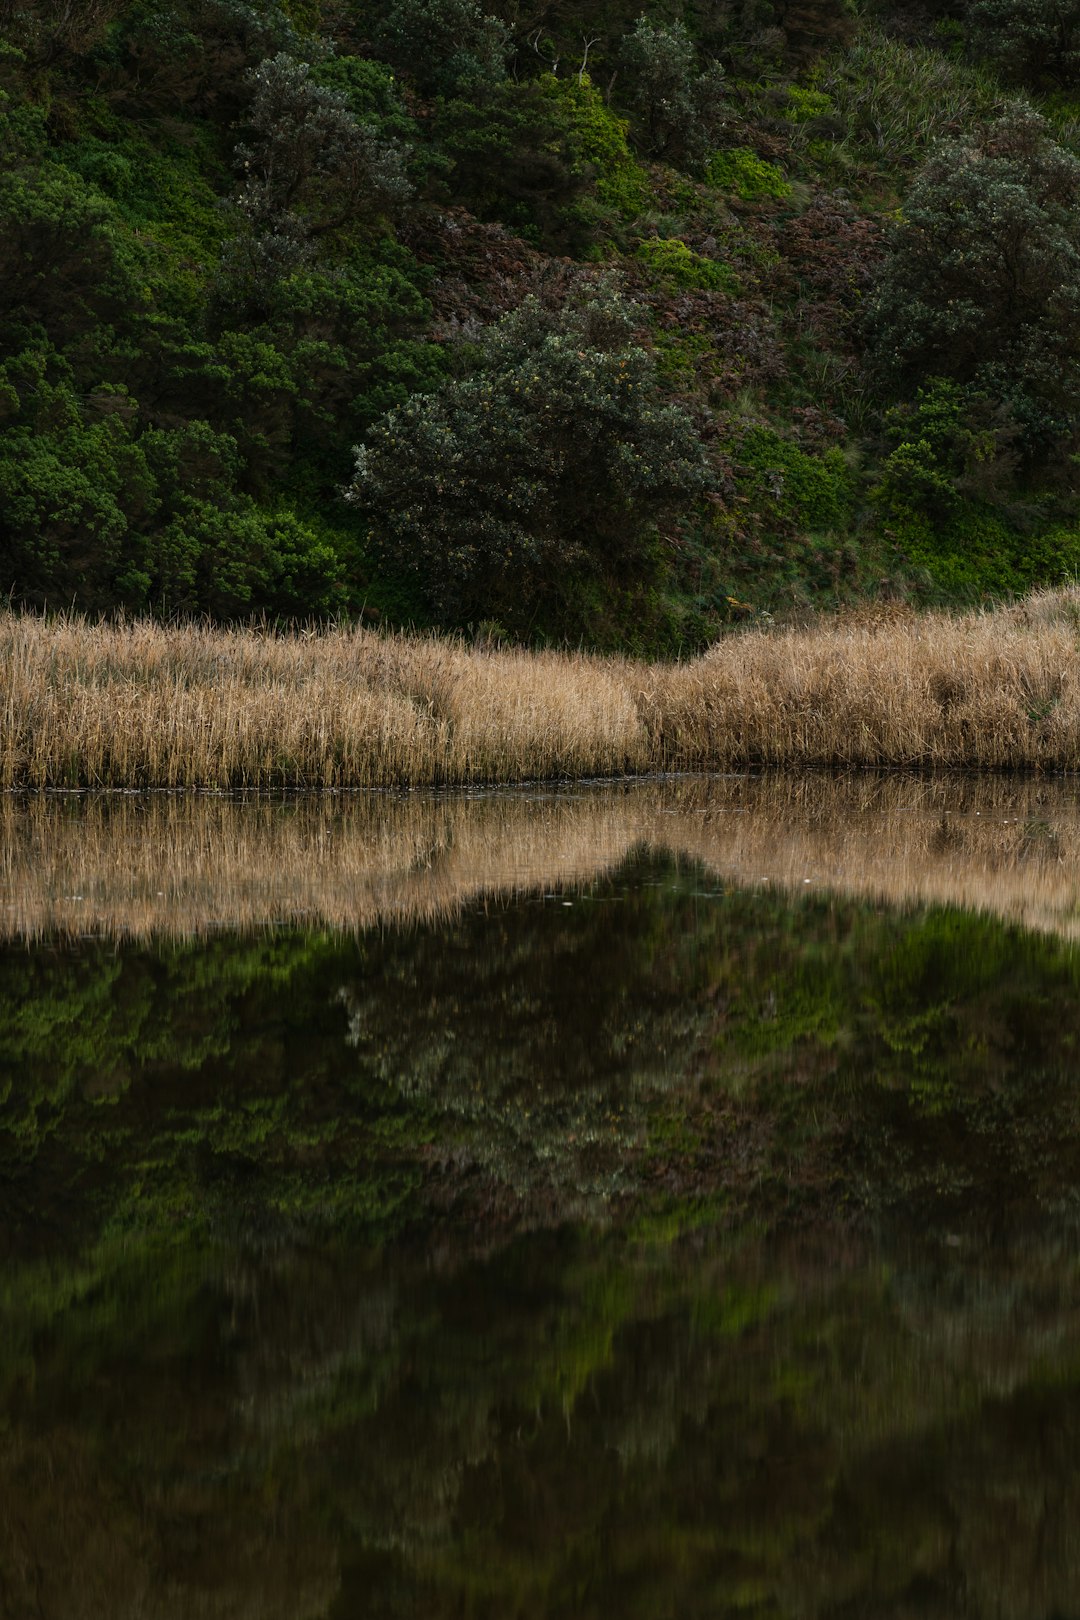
x: 654, y: 1200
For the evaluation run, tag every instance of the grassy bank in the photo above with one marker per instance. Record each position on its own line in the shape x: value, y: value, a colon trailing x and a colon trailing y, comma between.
x: 89, y: 705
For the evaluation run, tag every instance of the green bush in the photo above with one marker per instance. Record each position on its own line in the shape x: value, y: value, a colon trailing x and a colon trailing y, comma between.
x: 975, y: 555
x: 241, y: 560
x: 542, y: 466
x: 598, y: 139
x: 672, y: 261
x: 741, y: 173
x: 814, y: 492
x: 981, y: 284
x: 804, y: 104
x: 515, y: 157
x: 676, y: 108
x: 952, y: 444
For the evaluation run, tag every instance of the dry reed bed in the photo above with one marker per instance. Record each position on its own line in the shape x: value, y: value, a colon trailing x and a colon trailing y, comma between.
x: 173, y: 868
x: 144, y: 705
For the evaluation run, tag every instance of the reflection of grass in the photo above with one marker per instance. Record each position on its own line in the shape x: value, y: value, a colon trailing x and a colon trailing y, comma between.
x: 146, y: 705
x: 180, y: 868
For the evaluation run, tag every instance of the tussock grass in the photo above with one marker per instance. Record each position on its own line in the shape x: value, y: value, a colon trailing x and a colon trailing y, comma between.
x: 144, y: 705
x: 148, y: 706
x: 897, y: 99
x: 171, y: 867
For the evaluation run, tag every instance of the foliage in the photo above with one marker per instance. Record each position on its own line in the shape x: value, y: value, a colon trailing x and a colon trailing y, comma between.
x: 309, y: 167
x: 547, y: 460
x: 743, y: 173
x: 815, y: 492
x: 188, y: 58
x: 516, y: 156
x: 676, y: 109
x: 254, y: 226
x: 954, y: 443
x: 599, y: 140
x: 446, y: 47
x: 671, y: 260
x: 894, y: 98
x: 973, y: 555
x: 1033, y: 42
x: 982, y: 280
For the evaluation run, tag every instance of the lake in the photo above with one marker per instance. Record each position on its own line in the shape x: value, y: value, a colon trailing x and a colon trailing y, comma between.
x: 655, y: 1199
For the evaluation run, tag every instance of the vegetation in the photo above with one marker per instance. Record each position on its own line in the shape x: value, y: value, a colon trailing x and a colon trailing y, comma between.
x: 458, y: 316
x: 151, y: 706
x: 982, y: 284
x: 534, y: 475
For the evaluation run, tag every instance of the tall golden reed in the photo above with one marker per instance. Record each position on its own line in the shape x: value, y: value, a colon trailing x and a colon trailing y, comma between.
x: 143, y: 705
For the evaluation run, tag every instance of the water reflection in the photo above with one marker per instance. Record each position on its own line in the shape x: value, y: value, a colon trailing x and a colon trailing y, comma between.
x: 125, y: 866
x: 571, y: 1426
x: 544, y: 1060
x: 615, y: 1238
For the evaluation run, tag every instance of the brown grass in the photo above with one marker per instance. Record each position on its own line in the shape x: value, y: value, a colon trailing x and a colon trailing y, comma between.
x: 145, y: 705
x: 130, y: 867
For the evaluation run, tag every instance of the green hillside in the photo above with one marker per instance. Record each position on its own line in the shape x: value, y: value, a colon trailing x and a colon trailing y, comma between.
x: 560, y: 323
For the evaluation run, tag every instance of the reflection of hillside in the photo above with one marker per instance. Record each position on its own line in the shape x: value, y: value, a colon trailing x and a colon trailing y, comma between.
x: 575, y: 1427
x: 653, y: 1036
x: 134, y: 868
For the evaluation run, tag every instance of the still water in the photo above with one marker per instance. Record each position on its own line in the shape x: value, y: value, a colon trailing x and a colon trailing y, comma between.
x: 655, y: 1200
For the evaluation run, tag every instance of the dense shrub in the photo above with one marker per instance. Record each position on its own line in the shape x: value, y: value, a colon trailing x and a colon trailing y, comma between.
x: 547, y: 461
x: 598, y: 140
x: 308, y: 167
x: 187, y: 58
x: 743, y: 174
x: 953, y: 443
x: 677, y: 108
x: 1033, y: 42
x: 811, y: 492
x: 976, y: 555
x: 445, y: 47
x: 515, y: 157
x: 670, y: 260
x: 981, y: 283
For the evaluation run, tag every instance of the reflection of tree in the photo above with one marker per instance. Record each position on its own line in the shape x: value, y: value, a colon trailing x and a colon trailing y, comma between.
x: 645, y: 1039
x: 204, y: 1411
x: 539, y: 1036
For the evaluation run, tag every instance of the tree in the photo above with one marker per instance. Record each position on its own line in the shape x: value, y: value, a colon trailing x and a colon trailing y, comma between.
x: 309, y: 167
x: 981, y: 283
x: 1034, y: 42
x: 514, y: 159
x: 446, y: 47
x: 544, y: 464
x: 677, y: 109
